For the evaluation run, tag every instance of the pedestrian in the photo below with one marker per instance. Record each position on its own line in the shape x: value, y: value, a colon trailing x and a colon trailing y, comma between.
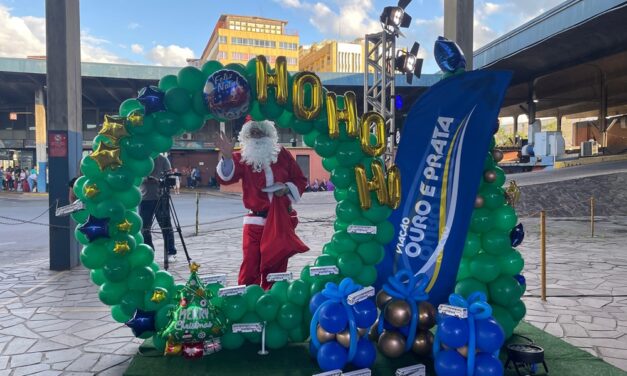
x: 24, y: 180
x: 152, y: 207
x: 177, y: 184
x: 315, y: 186
x: 9, y: 179
x: 269, y: 237
x: 32, y: 179
x: 323, y: 185
x: 197, y: 178
x: 2, y: 187
x: 193, y: 177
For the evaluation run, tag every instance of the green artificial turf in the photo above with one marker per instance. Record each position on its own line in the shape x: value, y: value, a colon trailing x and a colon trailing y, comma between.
x: 562, y: 358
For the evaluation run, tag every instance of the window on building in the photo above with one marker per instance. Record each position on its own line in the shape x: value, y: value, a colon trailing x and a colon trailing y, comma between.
x: 292, y: 61
x: 222, y: 39
x: 222, y: 55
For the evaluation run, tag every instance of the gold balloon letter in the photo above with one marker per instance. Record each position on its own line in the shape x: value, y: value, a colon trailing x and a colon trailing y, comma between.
x: 265, y: 79
x: 298, y: 91
x: 348, y: 114
x: 388, y: 193
x: 379, y: 131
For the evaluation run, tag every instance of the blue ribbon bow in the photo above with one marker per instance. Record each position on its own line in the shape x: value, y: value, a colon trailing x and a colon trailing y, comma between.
x: 411, y: 288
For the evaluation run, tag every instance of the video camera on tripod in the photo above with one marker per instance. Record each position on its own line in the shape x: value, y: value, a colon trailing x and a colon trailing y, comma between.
x: 168, y: 179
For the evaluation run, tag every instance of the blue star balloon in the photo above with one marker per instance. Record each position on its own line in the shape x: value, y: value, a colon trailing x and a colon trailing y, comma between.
x: 142, y: 321
x: 152, y: 99
x: 95, y: 228
x: 517, y: 235
x: 448, y: 55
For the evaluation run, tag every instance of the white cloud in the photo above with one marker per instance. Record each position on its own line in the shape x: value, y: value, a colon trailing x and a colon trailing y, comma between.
x: 290, y: 3
x: 21, y: 36
x: 171, y: 55
x: 133, y: 26
x: 93, y: 49
x: 137, y: 48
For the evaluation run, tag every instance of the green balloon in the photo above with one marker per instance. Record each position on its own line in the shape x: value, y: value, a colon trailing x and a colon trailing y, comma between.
x: 168, y: 82
x: 500, y: 177
x: 484, y: 267
x: 251, y: 317
x: 505, y: 218
x: 368, y: 276
x: 321, y: 124
x: 164, y: 280
x: 178, y: 100
x: 472, y: 246
x: 110, y: 208
x: 210, y: 67
x: 141, y: 278
x: 330, y: 163
x: 318, y: 285
x: 343, y: 177
x: 481, y: 221
x: 467, y: 286
x: 325, y: 146
x: 168, y: 123
x: 146, y: 127
x: 118, y: 314
x: 363, y: 223
x: 94, y: 255
x: 138, y: 146
x: 120, y: 179
x: 111, y: 293
x: 340, y: 194
x: 377, y: 212
x: 464, y: 269
x: 505, y: 290
x: 385, y: 232
x: 298, y: 293
x: 493, y: 197
x: 199, y: 105
x: 154, y: 266
x: 192, y: 79
x: 299, y: 334
x: 232, y: 341
x: 304, y: 127
x: 290, y: 316
x: 305, y: 276
x: 142, y: 255
x: 132, y: 301
x: 90, y: 168
x: 495, y: 242
x: 352, y: 195
x: 310, y: 139
x: 267, y: 307
x: 285, y: 120
x: 97, y: 276
x: 252, y: 294
x: 340, y: 225
x: 349, y: 153
x: 162, y: 317
x: 489, y: 162
x: 271, y: 109
x: 130, y: 198
x: 192, y: 122
x: 255, y: 111
x: 240, y: 68
x: 234, y: 307
x: 140, y: 167
x: 350, y: 264
x: 99, y: 139
x: 129, y: 106
x: 502, y: 316
x: 511, y: 262
x: 347, y: 211
x: 325, y: 260
x: 343, y: 242
x: 517, y: 310
x: 276, y: 337
x: 80, y: 216
x: 371, y: 253
x: 80, y: 237
x: 116, y: 269
x: 279, y: 291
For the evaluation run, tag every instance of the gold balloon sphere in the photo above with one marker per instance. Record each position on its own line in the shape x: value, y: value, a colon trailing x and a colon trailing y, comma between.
x: 463, y: 351
x: 479, y: 201
x: 398, y: 313
x: 372, y: 334
x: 497, y: 155
x: 426, y: 315
x: 489, y: 176
x: 362, y: 331
x: 323, y: 335
x: 382, y: 299
x: 344, y: 338
x: 392, y: 344
x: 423, y: 343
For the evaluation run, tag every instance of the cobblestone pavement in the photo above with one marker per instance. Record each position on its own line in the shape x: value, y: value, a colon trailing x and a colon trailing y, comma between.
x: 53, y: 323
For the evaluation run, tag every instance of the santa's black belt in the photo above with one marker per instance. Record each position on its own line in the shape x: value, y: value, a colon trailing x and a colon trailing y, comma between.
x: 264, y: 214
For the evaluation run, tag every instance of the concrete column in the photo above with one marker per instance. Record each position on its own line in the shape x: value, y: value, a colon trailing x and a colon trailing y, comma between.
x: 559, y: 121
x: 458, y: 25
x: 531, y: 104
x: 64, y: 112
x: 40, y: 140
x: 603, y: 110
x: 515, y: 128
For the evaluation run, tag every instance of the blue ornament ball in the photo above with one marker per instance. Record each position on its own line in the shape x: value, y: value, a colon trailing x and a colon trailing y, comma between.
x: 517, y: 235
x: 333, y: 317
x: 332, y: 356
x: 365, y: 355
x: 313, y: 351
x: 487, y: 365
x: 450, y: 363
x: 453, y: 332
x: 316, y: 301
x: 227, y: 94
x: 365, y: 313
x: 489, y: 335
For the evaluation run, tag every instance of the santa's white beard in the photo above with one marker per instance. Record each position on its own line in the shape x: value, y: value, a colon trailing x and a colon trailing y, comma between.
x: 260, y: 152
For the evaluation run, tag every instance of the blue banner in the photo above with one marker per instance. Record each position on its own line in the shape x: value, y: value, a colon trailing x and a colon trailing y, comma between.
x: 444, y: 143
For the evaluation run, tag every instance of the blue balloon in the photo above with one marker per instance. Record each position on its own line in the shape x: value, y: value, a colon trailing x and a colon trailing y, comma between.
x: 142, y: 321
x: 331, y: 356
x: 365, y: 313
x: 517, y: 235
x: 95, y: 228
x: 450, y: 363
x: 333, y: 317
x: 313, y: 351
x: 487, y: 365
x: 489, y: 335
x: 365, y: 355
x: 448, y: 55
x: 152, y: 99
x: 316, y: 301
x: 521, y: 279
x: 227, y: 94
x: 453, y: 332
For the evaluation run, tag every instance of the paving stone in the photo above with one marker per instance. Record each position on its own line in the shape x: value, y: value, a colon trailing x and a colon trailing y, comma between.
x: 574, y: 330
x: 29, y: 370
x: 107, y: 361
x: 68, y: 340
x: 46, y: 345
x: 61, y: 365
x: 19, y: 331
x: 554, y: 329
x: 25, y: 359
x: 18, y: 346
x: 4, y: 362
x: 61, y: 355
x: 47, y: 373
x: 83, y: 364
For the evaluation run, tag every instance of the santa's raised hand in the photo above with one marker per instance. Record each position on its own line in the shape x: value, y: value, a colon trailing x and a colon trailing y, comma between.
x: 225, y: 145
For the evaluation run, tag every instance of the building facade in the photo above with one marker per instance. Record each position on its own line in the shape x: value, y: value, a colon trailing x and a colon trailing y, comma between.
x: 237, y: 39
x: 333, y: 56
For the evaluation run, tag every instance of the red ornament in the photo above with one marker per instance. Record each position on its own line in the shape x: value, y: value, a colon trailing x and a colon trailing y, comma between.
x: 183, y: 302
x: 193, y: 350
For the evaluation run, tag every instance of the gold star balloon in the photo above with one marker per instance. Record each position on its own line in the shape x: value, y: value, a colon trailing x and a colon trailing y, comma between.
x: 194, y: 267
x: 135, y: 119
x: 107, y: 156
x: 512, y: 193
x: 121, y: 247
x: 157, y: 296
x: 91, y: 190
x: 125, y: 226
x: 113, y: 128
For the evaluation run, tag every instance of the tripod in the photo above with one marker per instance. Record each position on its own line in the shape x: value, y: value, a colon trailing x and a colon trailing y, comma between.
x: 166, y: 205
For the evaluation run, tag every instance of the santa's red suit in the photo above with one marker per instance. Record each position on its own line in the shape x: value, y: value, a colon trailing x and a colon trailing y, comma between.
x: 269, y: 238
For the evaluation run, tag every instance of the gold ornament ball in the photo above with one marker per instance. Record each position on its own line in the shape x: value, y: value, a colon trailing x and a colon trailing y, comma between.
x: 463, y: 351
x: 382, y: 299
x: 392, y: 344
x: 323, y: 335
x: 398, y: 313
x: 489, y: 176
x: 479, y: 201
x: 344, y: 338
x: 497, y: 155
x: 426, y: 315
x: 373, y: 335
x: 423, y: 343
x: 362, y: 331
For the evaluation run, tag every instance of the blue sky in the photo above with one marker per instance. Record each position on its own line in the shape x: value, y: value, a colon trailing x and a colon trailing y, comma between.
x: 166, y: 32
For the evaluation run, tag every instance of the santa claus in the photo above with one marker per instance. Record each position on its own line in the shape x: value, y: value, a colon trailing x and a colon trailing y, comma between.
x: 271, y: 182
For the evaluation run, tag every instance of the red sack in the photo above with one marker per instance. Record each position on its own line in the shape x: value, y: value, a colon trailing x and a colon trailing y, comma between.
x: 279, y: 240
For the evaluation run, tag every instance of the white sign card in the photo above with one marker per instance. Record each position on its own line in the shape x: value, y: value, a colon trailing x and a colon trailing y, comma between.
x: 415, y: 370
x: 214, y: 278
x: 360, y: 295
x: 450, y: 310
x: 357, y: 229
x: 276, y: 277
x: 69, y: 209
x: 253, y: 327
x: 231, y: 291
x: 323, y: 270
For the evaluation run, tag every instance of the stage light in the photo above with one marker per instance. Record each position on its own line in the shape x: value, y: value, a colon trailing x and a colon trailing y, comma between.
x: 409, y: 63
x: 393, y: 18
